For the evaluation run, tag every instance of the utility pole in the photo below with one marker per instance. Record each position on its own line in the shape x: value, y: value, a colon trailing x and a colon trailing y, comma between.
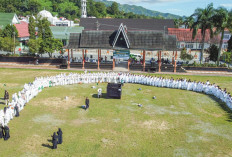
x: 14, y: 42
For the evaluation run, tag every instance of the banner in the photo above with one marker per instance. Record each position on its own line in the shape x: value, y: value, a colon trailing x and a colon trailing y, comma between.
x: 121, y: 54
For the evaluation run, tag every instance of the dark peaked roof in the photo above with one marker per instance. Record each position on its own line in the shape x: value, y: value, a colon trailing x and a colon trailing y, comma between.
x: 132, y: 24
x: 144, y: 40
x: 74, y: 41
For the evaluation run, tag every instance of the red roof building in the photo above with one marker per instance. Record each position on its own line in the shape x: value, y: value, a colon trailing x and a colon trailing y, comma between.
x: 23, y: 30
x: 185, y: 35
x: 184, y: 38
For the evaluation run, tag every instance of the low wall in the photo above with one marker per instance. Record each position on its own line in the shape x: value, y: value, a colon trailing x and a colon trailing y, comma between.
x: 208, y: 69
x: 32, y: 60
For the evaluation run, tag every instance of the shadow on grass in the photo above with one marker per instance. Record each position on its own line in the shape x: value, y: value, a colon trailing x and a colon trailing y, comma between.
x: 49, y: 140
x: 2, y: 103
x: 47, y: 145
x: 223, y: 106
x: 82, y: 107
x: 104, y: 96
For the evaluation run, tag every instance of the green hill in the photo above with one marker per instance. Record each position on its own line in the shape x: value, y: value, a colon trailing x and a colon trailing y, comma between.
x: 139, y: 10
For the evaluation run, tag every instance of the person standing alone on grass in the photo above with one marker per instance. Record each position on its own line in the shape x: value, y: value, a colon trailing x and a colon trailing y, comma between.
x: 86, y: 103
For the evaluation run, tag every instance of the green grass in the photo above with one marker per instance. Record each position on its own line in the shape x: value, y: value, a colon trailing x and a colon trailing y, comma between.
x: 177, y: 123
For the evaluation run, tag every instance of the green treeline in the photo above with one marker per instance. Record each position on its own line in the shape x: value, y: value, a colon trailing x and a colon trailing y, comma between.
x: 70, y: 9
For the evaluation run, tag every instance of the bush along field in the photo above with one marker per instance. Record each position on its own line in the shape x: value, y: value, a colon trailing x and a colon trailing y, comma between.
x: 176, y: 123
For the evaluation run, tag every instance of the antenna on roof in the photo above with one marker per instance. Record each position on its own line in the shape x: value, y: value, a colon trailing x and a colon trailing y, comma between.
x: 97, y: 25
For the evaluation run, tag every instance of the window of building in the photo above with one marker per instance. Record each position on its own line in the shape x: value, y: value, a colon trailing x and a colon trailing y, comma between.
x: 225, y: 45
x: 189, y: 45
x: 227, y: 36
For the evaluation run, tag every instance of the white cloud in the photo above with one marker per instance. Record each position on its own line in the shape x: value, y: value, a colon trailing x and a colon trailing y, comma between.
x: 229, y: 5
x: 174, y: 10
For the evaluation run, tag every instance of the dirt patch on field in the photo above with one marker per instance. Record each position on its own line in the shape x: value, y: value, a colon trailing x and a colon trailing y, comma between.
x: 33, y: 144
x: 48, y: 119
x: 57, y: 103
x: 151, y: 124
x: 84, y: 121
x: 107, y: 142
x: 154, y: 125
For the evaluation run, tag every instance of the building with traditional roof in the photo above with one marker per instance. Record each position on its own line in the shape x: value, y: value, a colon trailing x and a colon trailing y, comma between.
x: 8, y: 18
x: 122, y: 39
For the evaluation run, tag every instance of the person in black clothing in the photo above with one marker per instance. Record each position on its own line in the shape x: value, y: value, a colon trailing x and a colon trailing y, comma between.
x: 59, y: 133
x: 1, y: 132
x: 6, y: 134
x: 54, y: 141
x: 17, y: 111
x: 6, y: 97
x: 86, y: 103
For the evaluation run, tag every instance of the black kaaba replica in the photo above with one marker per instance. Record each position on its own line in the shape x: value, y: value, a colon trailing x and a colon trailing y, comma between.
x: 114, y: 90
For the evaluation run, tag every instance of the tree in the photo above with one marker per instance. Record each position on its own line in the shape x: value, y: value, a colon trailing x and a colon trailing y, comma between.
x: 228, y: 57
x: 34, y: 45
x: 47, y: 44
x: 184, y: 56
x: 7, y: 44
x: 101, y: 9
x: 204, y: 21
x: 45, y: 35
x: 178, y: 22
x: 230, y: 45
x: 222, y: 20
x: 10, y: 31
x: 31, y: 27
x: 188, y: 22
x: 113, y: 9
x: 213, y: 53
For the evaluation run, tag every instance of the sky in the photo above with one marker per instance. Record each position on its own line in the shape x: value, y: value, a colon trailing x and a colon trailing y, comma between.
x: 178, y: 7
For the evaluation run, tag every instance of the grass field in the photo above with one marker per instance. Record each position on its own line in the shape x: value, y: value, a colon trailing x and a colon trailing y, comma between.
x: 178, y: 123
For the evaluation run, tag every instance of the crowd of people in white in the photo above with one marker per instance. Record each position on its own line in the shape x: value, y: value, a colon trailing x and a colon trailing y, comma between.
x: 30, y: 90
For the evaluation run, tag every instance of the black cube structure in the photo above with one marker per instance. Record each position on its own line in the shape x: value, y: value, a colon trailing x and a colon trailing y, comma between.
x: 114, y: 90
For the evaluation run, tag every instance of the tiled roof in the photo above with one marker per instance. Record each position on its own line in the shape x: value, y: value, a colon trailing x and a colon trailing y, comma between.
x: 185, y: 35
x: 132, y: 24
x: 22, y: 29
x: 5, y: 19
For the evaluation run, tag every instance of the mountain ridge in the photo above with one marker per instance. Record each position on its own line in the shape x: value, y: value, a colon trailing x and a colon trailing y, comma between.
x: 140, y: 10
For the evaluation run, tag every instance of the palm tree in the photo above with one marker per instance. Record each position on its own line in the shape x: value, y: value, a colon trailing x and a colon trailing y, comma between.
x: 204, y: 21
x: 188, y: 22
x: 178, y: 22
x: 223, y: 20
